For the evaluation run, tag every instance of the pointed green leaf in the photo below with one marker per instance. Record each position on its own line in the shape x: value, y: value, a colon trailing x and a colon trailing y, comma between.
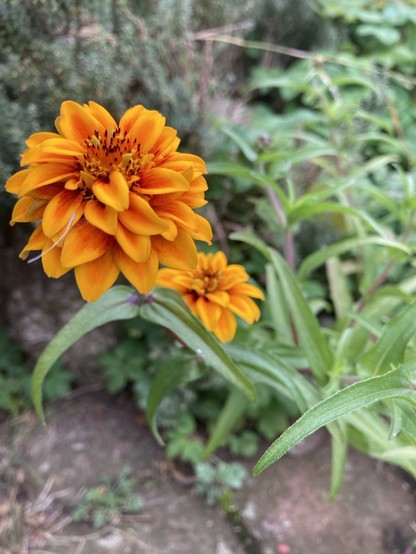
x: 318, y: 258
x: 397, y: 383
x: 233, y: 409
x: 389, y: 349
x: 312, y: 340
x: 119, y: 302
x: 169, y: 310
x: 169, y: 375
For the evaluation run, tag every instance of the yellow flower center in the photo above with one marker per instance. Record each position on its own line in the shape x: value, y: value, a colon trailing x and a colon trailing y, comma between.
x: 205, y: 281
x: 112, y: 151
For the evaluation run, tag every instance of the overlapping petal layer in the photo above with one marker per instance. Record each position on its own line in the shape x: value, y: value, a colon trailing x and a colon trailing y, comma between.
x: 110, y: 197
x: 215, y: 292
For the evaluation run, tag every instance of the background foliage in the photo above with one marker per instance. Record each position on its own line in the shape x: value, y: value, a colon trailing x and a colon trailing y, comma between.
x: 304, y: 110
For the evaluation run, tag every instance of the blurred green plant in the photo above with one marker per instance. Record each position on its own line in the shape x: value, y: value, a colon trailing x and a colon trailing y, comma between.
x: 109, y: 500
x: 16, y: 377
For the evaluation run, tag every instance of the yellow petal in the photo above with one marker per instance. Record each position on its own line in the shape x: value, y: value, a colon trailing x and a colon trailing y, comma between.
x: 141, y: 275
x: 244, y: 307
x: 137, y: 247
x: 147, y: 129
x: 226, y: 326
x: 115, y: 193
x: 208, y: 312
x: 179, y: 253
x: 60, y: 210
x: 162, y: 181
x: 172, y: 232
x: 247, y: 289
x: 101, y: 216
x: 76, y: 123
x: 83, y: 244
x: 179, y: 212
x: 141, y: 218
x: 96, y: 277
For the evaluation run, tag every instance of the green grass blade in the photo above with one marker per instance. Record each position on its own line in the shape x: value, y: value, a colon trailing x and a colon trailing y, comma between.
x: 117, y: 303
x: 395, y: 384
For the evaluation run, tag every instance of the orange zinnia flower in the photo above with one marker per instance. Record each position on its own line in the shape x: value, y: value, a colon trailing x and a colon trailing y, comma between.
x: 215, y: 291
x: 111, y: 197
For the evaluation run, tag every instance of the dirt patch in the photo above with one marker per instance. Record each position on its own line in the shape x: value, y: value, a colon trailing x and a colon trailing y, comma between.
x: 45, y: 470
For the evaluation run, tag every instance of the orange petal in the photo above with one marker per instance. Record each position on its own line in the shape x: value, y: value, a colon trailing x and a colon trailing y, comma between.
x: 129, y: 117
x: 37, y: 241
x: 162, y: 181
x: 173, y: 279
x: 219, y: 262
x: 63, y: 147
x: 247, y: 289
x: 179, y: 253
x: 14, y: 184
x: 60, y: 210
x: 141, y: 218
x: 38, y: 138
x: 244, y: 307
x: 115, y: 193
x: 137, y: 247
x: 226, y: 326
x: 141, y: 275
x: 51, y: 261
x: 96, y: 277
x: 76, y: 122
x: 147, y: 129
x: 179, y: 212
x: 172, y: 232
x: 203, y: 230
x: 167, y: 142
x: 101, y: 216
x: 27, y: 209
x: 208, y: 312
x: 233, y: 274
x: 83, y: 244
x: 219, y: 297
x: 46, y: 174
x: 102, y: 115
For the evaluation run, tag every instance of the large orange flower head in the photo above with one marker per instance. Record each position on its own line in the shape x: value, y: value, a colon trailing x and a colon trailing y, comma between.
x: 111, y: 197
x: 215, y: 292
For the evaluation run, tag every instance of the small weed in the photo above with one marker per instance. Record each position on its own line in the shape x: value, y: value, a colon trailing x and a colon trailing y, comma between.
x: 109, y: 500
x: 214, y: 481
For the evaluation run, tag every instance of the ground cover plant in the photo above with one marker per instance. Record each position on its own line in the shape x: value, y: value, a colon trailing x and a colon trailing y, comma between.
x: 314, y: 194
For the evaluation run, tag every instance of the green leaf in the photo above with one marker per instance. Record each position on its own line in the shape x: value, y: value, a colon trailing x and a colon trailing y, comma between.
x: 119, y: 302
x: 169, y: 310
x: 318, y: 258
x: 339, y: 445
x: 397, y: 383
x: 389, y: 349
x: 307, y: 327
x: 305, y: 211
x: 274, y: 371
x: 243, y: 144
x: 277, y: 306
x: 234, y: 407
x: 169, y: 375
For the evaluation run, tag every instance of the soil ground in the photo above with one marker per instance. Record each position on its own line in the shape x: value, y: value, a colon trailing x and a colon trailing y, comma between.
x: 45, y: 470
